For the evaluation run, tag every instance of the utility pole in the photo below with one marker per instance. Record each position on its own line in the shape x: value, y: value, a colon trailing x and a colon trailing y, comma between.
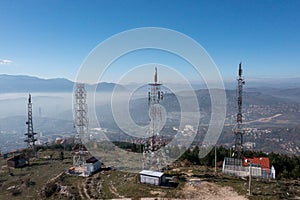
x: 250, y: 171
x: 215, y: 158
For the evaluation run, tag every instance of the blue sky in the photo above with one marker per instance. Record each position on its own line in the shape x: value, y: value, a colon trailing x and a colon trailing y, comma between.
x: 52, y: 38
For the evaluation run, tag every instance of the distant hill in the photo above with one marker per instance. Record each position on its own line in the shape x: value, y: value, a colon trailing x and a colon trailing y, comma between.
x: 277, y: 83
x: 256, y: 104
x: 21, y: 83
x: 265, y: 109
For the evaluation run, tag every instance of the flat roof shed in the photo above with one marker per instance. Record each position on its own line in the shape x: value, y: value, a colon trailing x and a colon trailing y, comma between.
x: 152, y: 177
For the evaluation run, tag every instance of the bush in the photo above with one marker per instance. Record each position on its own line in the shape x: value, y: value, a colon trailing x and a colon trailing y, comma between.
x: 50, y: 189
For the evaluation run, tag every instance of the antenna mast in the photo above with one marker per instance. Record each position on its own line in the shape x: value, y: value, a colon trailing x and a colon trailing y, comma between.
x: 154, y: 157
x: 239, y: 130
x: 30, y: 140
x: 81, y: 125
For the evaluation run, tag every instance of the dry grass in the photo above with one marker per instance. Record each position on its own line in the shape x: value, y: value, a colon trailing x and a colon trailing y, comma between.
x: 28, y: 182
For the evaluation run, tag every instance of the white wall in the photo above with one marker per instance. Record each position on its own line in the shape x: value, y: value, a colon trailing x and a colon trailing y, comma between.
x: 150, y: 180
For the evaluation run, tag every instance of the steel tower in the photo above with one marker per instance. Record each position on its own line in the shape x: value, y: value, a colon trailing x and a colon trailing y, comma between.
x: 30, y: 140
x: 81, y: 125
x: 154, y: 157
x: 239, y: 129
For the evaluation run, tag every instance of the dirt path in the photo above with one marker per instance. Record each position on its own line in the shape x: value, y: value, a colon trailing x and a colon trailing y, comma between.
x: 55, y: 177
x: 206, y: 190
x: 113, y: 190
x: 83, y: 185
x: 79, y: 191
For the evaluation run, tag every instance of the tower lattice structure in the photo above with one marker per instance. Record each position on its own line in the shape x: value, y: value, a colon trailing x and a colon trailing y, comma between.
x: 239, y: 128
x: 81, y: 125
x: 30, y: 140
x: 154, y: 157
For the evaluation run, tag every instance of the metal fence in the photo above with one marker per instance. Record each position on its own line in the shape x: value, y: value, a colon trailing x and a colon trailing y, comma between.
x: 233, y: 166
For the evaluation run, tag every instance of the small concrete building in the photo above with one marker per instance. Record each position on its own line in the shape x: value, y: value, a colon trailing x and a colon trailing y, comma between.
x: 152, y: 177
x: 16, y: 161
x: 92, y: 165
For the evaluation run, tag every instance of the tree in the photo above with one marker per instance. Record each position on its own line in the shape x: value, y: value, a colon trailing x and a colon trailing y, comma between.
x: 62, y: 155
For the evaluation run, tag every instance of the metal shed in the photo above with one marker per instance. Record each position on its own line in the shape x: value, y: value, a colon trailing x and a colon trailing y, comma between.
x: 152, y: 177
x: 93, y: 165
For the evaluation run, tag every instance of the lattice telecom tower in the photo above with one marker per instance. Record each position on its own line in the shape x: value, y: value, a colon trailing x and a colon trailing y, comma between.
x: 153, y: 155
x: 30, y: 140
x: 239, y: 129
x: 81, y: 125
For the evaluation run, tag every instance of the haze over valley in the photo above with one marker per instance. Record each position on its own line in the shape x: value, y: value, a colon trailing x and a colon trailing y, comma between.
x: 272, y: 115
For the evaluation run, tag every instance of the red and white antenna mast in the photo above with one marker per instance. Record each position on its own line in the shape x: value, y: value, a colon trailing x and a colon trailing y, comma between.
x: 154, y: 157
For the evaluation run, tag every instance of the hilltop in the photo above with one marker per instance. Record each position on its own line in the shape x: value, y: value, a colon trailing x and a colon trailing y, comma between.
x: 45, y: 179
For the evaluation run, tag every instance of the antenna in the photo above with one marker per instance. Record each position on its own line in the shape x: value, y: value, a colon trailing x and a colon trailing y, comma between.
x: 153, y: 156
x: 81, y: 125
x: 30, y: 140
x: 239, y: 130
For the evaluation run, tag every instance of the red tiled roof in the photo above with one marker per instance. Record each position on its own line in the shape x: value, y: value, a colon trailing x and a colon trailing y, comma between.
x: 262, y: 161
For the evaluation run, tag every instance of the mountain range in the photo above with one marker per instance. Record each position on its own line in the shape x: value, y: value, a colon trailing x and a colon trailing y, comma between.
x: 22, y: 83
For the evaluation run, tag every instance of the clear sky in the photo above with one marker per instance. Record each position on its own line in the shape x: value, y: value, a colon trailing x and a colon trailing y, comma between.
x: 51, y: 38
